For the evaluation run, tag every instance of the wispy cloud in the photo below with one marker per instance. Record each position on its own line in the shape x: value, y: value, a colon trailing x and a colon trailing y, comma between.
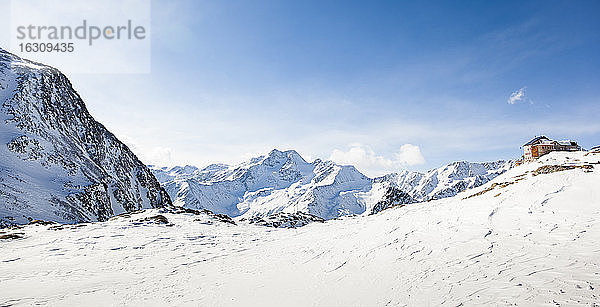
x: 517, y: 96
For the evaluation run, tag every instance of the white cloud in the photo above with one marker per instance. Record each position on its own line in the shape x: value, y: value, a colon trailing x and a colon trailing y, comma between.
x: 410, y: 155
x: 367, y: 161
x: 517, y: 96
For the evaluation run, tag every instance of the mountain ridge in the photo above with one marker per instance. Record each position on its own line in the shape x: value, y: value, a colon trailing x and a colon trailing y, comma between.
x: 321, y: 188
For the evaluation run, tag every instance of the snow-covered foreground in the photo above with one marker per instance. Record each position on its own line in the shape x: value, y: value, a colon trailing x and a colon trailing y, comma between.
x: 528, y: 240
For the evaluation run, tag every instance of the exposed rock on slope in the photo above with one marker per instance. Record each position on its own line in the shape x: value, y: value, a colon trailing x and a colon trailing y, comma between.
x: 286, y: 220
x: 393, y: 197
x: 56, y: 162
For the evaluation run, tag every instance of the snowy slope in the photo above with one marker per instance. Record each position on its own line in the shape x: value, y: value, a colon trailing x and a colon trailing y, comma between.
x: 285, y: 182
x: 528, y: 237
x: 56, y: 162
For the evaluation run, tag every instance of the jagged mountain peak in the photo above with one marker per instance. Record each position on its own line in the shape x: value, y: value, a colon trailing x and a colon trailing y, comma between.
x: 287, y: 153
x: 277, y: 157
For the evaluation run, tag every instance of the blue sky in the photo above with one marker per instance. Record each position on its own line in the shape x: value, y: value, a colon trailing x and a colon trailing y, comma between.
x: 357, y: 81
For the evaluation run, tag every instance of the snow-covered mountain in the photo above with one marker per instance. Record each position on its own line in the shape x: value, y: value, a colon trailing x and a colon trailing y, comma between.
x: 447, y: 180
x: 56, y: 162
x: 527, y: 238
x: 283, y: 181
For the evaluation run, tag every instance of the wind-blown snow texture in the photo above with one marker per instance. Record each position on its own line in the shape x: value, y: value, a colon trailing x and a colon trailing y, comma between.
x: 56, y: 162
x: 527, y: 238
x: 285, y: 182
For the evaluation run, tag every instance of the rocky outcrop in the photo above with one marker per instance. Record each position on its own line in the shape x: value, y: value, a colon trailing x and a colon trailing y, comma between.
x: 393, y: 197
x: 285, y: 220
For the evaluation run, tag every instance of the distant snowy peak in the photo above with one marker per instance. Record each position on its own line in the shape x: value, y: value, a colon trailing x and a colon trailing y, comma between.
x: 57, y: 162
x: 282, y: 181
x: 288, y: 163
